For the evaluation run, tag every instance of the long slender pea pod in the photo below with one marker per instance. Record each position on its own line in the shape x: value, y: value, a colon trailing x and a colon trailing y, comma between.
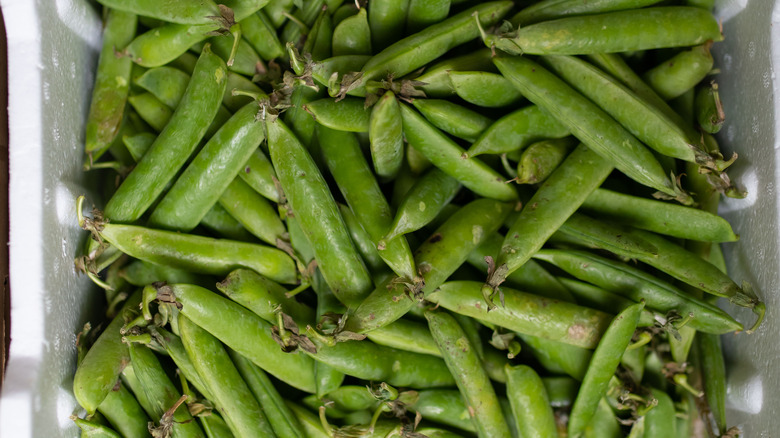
x: 530, y: 403
x: 112, y: 84
x: 151, y: 110
x: 386, y: 136
x: 713, y: 371
x: 597, y: 298
x: 100, y: 368
x: 540, y: 159
x: 317, y: 214
x: 124, y: 413
x: 352, y: 36
x: 552, y: 9
x: 176, y: 351
x: 452, y: 118
x: 234, y: 400
x: 263, y: 296
x: 621, y: 240
x: 91, y: 429
x: 447, y: 156
x: 470, y: 377
x: 201, y: 12
x: 259, y: 173
x: 165, y: 83
x: 214, y: 426
x: 589, y: 123
x: 682, y: 72
x: 559, y: 357
x: 386, y: 19
x: 621, y: 31
x: 709, y: 109
x: 363, y: 241
x: 423, y: 13
x: 636, y: 285
x: 253, y: 211
x: 437, y: 258
x: 603, y: 424
x: 516, y: 130
x: 348, y: 115
x: 326, y: 378
x: 260, y: 32
x: 218, y: 221
x: 659, y: 217
x: 602, y: 366
x: 436, y: 78
x: 132, y: 382
x: 484, y: 89
x: 175, y: 143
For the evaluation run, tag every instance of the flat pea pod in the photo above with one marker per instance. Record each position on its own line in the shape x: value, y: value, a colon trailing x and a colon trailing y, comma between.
x: 525, y: 313
x: 235, y: 401
x: 551, y: 9
x: 620, y: 31
x: 99, y: 370
x: 447, y: 156
x: 260, y: 32
x: 218, y: 221
x: 558, y: 357
x: 124, y: 413
x: 709, y: 109
x: 175, y: 143
x: 386, y: 20
x: 353, y: 36
x: 530, y: 403
x: 713, y: 371
x: 317, y: 214
x: 348, y: 115
x: 539, y: 160
x: 165, y: 83
x: 484, y: 89
x: 682, y: 72
x: 91, y: 429
x: 452, y: 118
x: 259, y: 173
x: 436, y: 78
x: 112, y: 84
x: 363, y: 242
x: 602, y: 366
x: 516, y: 130
x: 215, y: 426
x: 201, y: 12
x: 634, y: 284
x: 151, y: 110
x: 471, y: 379
x: 423, y: 13
x: 253, y: 211
x: 386, y: 137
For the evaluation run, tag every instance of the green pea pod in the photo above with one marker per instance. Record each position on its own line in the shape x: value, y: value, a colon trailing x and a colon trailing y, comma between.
x: 407, y: 335
x: 363, y: 242
x: 452, y: 118
x: 311, y: 424
x: 542, y: 158
x: 709, y: 109
x: 436, y: 81
x: 185, y: 62
x: 151, y: 110
x: 443, y: 406
x: 561, y: 391
x: 418, y: 163
x: 423, y: 13
x: 166, y: 84
x: 161, y: 45
x: 516, y: 130
x: 559, y: 357
x: 253, y: 211
x: 222, y: 224
x: 530, y: 404
x: 138, y: 144
x: 602, y: 366
x: 661, y: 420
x: 276, y: 11
x: 352, y: 36
x: 260, y: 32
x: 140, y: 273
x: 112, y: 84
x: 472, y: 381
x: 552, y: 9
x: 447, y: 156
x: 176, y: 351
x: 134, y: 385
x: 604, y: 424
x: 598, y: 298
x: 347, y: 115
x: 175, y: 143
x: 202, y: 12
x: 242, y: 57
x: 327, y: 378
x: 484, y: 89
x: 704, y: 4
x: 386, y: 19
x: 238, y: 82
x: 621, y: 31
x: 91, y: 429
x: 305, y: 13
x: 344, y: 12
x: 322, y: 71
x: 259, y: 173
x: 581, y: 229
x: 215, y: 426
x: 316, y: 212
x: 124, y: 413
x: 682, y: 72
x: 713, y: 370
x: 319, y: 42
x: 386, y: 136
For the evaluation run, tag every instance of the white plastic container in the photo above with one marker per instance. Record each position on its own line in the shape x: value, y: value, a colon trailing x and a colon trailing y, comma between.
x: 52, y: 51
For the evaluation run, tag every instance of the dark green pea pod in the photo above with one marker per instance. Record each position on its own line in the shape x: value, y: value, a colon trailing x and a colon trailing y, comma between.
x: 311, y: 424
x: 471, y: 379
x: 402, y: 183
x: 203, y: 12
x: 348, y: 115
x: 448, y: 156
x: 140, y: 273
x: 423, y: 13
x: 552, y: 9
x: 166, y: 84
x: 407, y: 335
x: 584, y: 230
x: 443, y: 406
x: 185, y: 62
x: 484, y: 89
x: 324, y: 70
x: 682, y: 72
x: 91, y: 429
x: 172, y: 345
x: 112, y: 84
x: 259, y: 173
x: 661, y: 421
x: 363, y: 242
x: 558, y: 357
x: 253, y: 211
x: 123, y: 412
x: 386, y: 19
x: 260, y: 33
x: 542, y: 158
x: 436, y: 78
x: 597, y: 298
x: 353, y: 36
x: 533, y: 414
x: 151, y: 110
x: 603, y: 424
x: 629, y: 30
x: 452, y: 118
x: 219, y: 222
x: 516, y: 130
x: 215, y: 426
x: 386, y: 137
x: 709, y: 109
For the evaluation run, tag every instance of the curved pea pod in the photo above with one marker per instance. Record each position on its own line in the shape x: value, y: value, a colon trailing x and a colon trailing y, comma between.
x: 253, y: 211
x: 352, y: 36
x: 222, y: 224
x: 621, y: 31
x: 709, y: 109
x: 386, y: 19
x: 530, y: 403
x: 436, y: 78
x: 123, y: 412
x: 452, y: 118
x: 597, y: 298
x: 681, y: 73
x: 540, y: 159
x: 317, y: 214
x: 516, y: 130
x: 348, y: 115
x: 484, y: 89
x: 386, y: 137
x: 558, y: 357
x: 263, y: 296
x: 165, y: 83
x: 447, y: 156
x: 552, y: 9
x: 423, y: 13
x: 244, y: 332
x: 661, y: 421
x: 91, y: 429
x: 259, y: 31
x: 636, y: 285
x: 202, y: 12
x: 259, y: 173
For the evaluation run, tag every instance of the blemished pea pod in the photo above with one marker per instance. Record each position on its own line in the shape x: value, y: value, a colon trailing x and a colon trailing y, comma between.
x: 386, y: 137
x: 219, y: 222
x: 363, y: 242
x: 713, y: 371
x: 591, y: 125
x: 214, y: 426
x: 516, y: 130
x: 423, y: 13
x: 259, y: 173
x: 621, y: 240
x: 259, y: 31
x: 176, y: 351
x: 471, y: 379
x: 595, y: 297
x: 621, y: 31
x: 244, y: 332
x: 112, y: 84
x: 236, y: 403
x: 175, y: 143
x: 447, y: 156
x: 166, y: 84
x: 348, y: 115
x: 311, y: 424
x: 122, y: 410
x: 99, y: 370
x: 682, y: 72
x: 452, y: 118
x: 525, y: 313
x: 709, y: 109
x: 484, y: 89
x: 558, y: 357
x: 436, y: 79
x: 316, y: 212
x: 551, y: 9
x: 344, y: 157
x: 632, y: 283
x: 539, y: 160
x: 386, y: 19
x: 659, y: 217
x: 352, y: 36
x: 530, y: 403
x: 602, y: 366
x: 604, y: 423
x: 92, y: 429
x: 253, y: 211
x: 151, y: 110
x: 202, y: 12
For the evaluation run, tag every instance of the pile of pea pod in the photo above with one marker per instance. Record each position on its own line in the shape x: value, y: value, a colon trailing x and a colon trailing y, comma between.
x: 407, y: 218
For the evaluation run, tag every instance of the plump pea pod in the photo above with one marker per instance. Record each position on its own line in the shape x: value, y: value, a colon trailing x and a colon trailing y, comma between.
x: 327, y: 378
x: 709, y: 109
x: 161, y: 45
x: 621, y: 31
x: 517, y: 130
x: 151, y: 110
x: 317, y: 214
x: 218, y: 221
x: 385, y: 131
x: 263, y: 296
x: 345, y: 399
x: 122, y: 410
x: 602, y: 366
x: 634, y: 284
x: 344, y: 158
x: 176, y: 351
x: 436, y: 78
x: 405, y: 334
x: 558, y: 357
x: 386, y: 19
x: 238, y: 82
x: 681, y: 73
x: 525, y: 313
x: 244, y: 332
x: 603, y: 424
x: 552, y: 9
x: 659, y: 217
x: 91, y: 429
x: 363, y: 242
x: 323, y: 71
x: 311, y: 424
x: 484, y: 89
x: 581, y: 229
x: 423, y: 13
x: 588, y: 123
x: 452, y: 118
x: 175, y: 143
x: 472, y: 381
x: 352, y: 36
x: 259, y: 31
x: 236, y: 403
x: 443, y: 406
x: 661, y: 421
x: 134, y: 385
x: 165, y: 83
x: 201, y: 12
x: 346, y: 115
x: 447, y: 156
x: 242, y: 57
x: 215, y: 426
x: 713, y: 370
x: 253, y: 211
x: 259, y: 173
x: 112, y: 84
x: 100, y: 369
x: 530, y: 404
x: 597, y: 298
x: 438, y: 258
x: 542, y: 158
x: 319, y: 41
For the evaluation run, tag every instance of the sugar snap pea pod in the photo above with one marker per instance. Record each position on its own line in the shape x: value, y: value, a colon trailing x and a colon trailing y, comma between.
x: 452, y: 118
x: 661, y: 420
x: 124, y: 413
x: 540, y: 159
x: 437, y: 77
x: 517, y: 130
x: 551, y: 9
x: 621, y: 240
x: 311, y: 424
x: 222, y: 224
x: 386, y: 137
x: 263, y: 296
x: 253, y: 211
x: 533, y: 414
x: 423, y: 13
x: 591, y: 125
x: 682, y: 72
x: 443, y: 406
x: 92, y: 429
x: 243, y: 58
x: 709, y: 109
x: 140, y: 273
x: 352, y: 36
x: 259, y: 173
x: 202, y: 12
x: 484, y: 89
x: 322, y: 71
x: 470, y: 377
x: 598, y: 298
x: 713, y: 370
x: 620, y: 31
x: 363, y: 242
x: 277, y: 12
x: 260, y: 33
x: 305, y: 14
x: 447, y: 156
x: 386, y: 19
x: 557, y: 356
x: 112, y: 84
x: 166, y: 83
x: 561, y: 391
x: 604, y: 424
x: 347, y: 115
x: 214, y: 426
x: 317, y: 214
x: 634, y: 284
x: 151, y: 110
x: 659, y: 217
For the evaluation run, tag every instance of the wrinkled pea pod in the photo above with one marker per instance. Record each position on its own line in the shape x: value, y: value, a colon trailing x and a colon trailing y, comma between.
x: 551, y: 9
x: 386, y: 19
x: 202, y: 12
x: 541, y: 159
x: 516, y: 130
x: 123, y: 412
x: 452, y: 118
x: 436, y: 81
x: 352, y: 36
x: 348, y: 115
x: 386, y: 137
x: 682, y: 72
x: 484, y: 89
x: 533, y: 414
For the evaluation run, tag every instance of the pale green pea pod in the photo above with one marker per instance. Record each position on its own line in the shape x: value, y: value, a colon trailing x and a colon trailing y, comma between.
x: 166, y: 83
x: 540, y: 160
x: 259, y: 173
x: 386, y: 136
x: 151, y: 110
x: 222, y: 224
